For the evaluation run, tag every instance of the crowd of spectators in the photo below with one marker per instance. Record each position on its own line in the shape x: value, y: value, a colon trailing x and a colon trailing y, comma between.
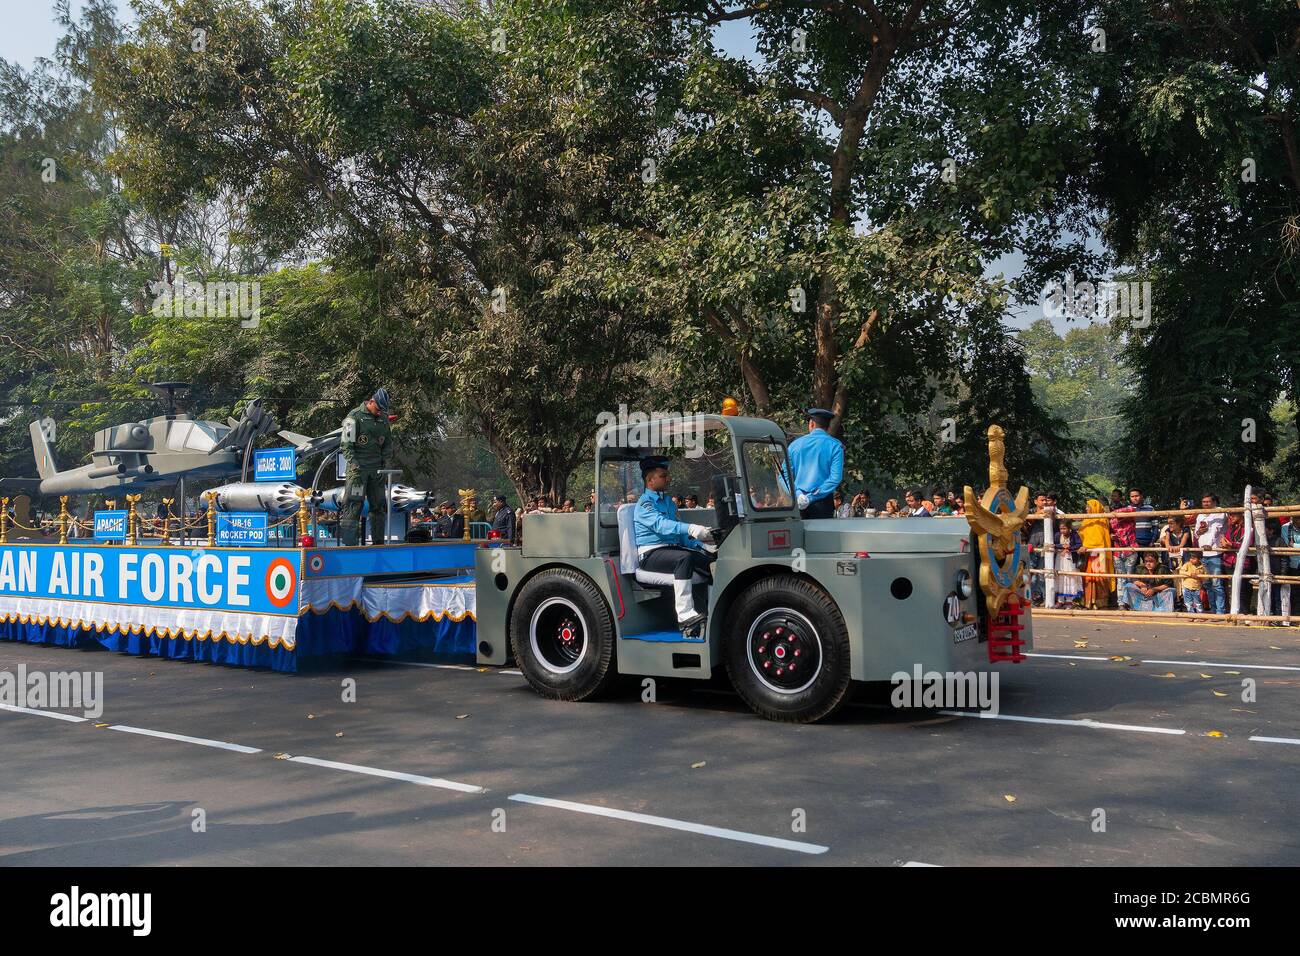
x: 1181, y: 562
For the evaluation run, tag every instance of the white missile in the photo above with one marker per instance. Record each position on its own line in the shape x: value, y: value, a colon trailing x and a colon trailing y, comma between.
x: 272, y: 497
x: 403, y: 498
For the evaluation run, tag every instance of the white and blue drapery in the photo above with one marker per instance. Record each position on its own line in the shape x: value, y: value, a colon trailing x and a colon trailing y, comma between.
x: 336, y: 617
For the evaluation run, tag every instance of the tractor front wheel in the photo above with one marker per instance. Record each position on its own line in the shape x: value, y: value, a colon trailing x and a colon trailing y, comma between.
x: 787, y: 650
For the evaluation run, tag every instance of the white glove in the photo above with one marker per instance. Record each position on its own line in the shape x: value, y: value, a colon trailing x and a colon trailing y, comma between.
x: 700, y: 533
x: 803, y: 501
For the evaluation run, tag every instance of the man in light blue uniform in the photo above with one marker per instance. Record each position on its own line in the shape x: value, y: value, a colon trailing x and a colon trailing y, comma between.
x: 817, y: 460
x: 669, y: 546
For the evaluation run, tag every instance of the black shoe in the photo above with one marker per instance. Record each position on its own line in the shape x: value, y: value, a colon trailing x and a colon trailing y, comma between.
x: 690, y: 623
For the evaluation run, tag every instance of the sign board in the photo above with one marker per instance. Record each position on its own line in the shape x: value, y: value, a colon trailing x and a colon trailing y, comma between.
x: 275, y: 464
x: 250, y: 580
x: 110, y: 525
x: 241, y: 529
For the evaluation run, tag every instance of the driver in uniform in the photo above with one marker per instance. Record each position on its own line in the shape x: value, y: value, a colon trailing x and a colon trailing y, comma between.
x: 667, y: 545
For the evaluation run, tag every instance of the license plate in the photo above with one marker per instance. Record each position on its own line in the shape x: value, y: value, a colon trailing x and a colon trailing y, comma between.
x: 969, y: 632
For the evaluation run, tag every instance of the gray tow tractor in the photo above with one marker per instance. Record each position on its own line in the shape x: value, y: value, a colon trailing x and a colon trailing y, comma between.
x: 798, y: 609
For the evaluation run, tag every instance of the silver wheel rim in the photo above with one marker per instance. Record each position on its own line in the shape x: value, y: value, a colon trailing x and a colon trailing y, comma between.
x: 769, y: 618
x: 545, y: 645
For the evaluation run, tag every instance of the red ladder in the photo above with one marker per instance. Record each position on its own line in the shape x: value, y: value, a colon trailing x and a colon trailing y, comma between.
x: 1004, y: 633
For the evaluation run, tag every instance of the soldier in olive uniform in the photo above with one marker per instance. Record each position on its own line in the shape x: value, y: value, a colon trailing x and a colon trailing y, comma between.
x: 367, y: 447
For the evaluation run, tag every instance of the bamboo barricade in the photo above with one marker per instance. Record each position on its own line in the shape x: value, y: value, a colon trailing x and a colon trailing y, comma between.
x: 1254, y: 538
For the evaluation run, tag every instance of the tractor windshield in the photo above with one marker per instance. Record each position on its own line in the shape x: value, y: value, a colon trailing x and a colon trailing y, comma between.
x: 692, y: 467
x: 765, y: 471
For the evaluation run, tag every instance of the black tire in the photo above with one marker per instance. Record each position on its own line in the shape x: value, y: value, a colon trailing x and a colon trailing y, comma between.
x: 559, y: 664
x: 776, y: 626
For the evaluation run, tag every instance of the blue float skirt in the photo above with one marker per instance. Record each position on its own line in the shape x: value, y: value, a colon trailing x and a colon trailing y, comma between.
x: 337, y: 618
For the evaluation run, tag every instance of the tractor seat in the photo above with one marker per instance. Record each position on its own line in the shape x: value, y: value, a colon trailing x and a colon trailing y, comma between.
x: 630, y: 562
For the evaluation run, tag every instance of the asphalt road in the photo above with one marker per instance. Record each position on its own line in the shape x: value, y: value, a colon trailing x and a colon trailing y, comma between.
x: 477, y: 770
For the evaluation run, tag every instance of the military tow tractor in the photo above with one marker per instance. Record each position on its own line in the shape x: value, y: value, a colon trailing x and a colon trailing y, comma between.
x: 797, y: 609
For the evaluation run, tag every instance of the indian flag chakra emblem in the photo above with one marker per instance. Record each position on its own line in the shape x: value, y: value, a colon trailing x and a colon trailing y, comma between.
x: 280, y: 581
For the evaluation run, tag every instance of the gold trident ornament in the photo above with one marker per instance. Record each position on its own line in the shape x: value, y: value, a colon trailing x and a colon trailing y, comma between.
x: 996, y: 520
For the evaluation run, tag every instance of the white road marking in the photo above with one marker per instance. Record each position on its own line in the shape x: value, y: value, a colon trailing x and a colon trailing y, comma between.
x: 1277, y: 740
x: 14, y: 709
x: 1064, y: 722
x: 445, y: 667
x: 391, y: 775
x: 721, y: 832
x: 201, y: 741
x: 1258, y: 667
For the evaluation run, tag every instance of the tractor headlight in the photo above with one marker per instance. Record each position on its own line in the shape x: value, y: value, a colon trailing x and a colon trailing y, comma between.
x: 965, y: 587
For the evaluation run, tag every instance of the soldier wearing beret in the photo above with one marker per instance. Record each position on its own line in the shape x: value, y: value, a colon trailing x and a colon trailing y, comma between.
x: 367, y: 447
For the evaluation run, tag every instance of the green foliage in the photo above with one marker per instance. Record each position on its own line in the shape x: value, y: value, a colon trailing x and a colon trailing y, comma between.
x: 1199, y: 177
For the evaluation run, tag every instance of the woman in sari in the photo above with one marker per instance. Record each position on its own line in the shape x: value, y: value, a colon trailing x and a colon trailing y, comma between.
x: 1095, y: 536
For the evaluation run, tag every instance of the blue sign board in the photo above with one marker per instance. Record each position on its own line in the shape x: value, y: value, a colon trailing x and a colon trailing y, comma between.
x: 275, y: 464
x: 241, y: 529
x: 110, y: 525
x: 249, y: 580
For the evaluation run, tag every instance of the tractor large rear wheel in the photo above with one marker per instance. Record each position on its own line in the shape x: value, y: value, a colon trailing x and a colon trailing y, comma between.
x: 562, y: 634
x: 787, y: 650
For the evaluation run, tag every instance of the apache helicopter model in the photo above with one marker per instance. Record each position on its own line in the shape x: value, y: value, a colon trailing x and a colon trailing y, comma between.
x: 138, y: 456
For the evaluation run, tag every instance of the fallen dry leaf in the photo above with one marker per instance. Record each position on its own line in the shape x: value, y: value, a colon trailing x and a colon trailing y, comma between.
x: 461, y: 716
x: 697, y: 766
x: 311, y: 716
x: 281, y: 756
x: 1129, y: 640
x: 1009, y: 798
x: 339, y: 734
x: 1218, y: 693
x: 1207, y: 676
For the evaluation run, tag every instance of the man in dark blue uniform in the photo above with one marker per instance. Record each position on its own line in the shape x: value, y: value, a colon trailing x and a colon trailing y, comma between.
x: 667, y: 545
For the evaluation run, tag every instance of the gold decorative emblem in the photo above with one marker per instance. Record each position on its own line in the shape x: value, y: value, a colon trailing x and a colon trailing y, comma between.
x: 996, y: 521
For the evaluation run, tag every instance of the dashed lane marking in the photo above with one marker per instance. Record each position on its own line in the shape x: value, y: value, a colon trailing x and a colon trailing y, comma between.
x: 1066, y: 722
x: 201, y: 741
x: 15, y: 709
x: 721, y: 833
x: 391, y: 775
x: 1258, y: 667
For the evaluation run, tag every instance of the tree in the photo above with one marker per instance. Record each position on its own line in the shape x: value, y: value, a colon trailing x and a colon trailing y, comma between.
x: 822, y: 218
x: 1080, y: 378
x: 1199, y: 176
x: 394, y: 140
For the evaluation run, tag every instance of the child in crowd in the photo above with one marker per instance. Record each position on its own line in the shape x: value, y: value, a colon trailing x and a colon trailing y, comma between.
x: 1191, y: 570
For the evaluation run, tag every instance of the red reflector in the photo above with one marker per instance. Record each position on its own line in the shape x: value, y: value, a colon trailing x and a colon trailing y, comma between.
x: 863, y: 554
x: 778, y: 539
